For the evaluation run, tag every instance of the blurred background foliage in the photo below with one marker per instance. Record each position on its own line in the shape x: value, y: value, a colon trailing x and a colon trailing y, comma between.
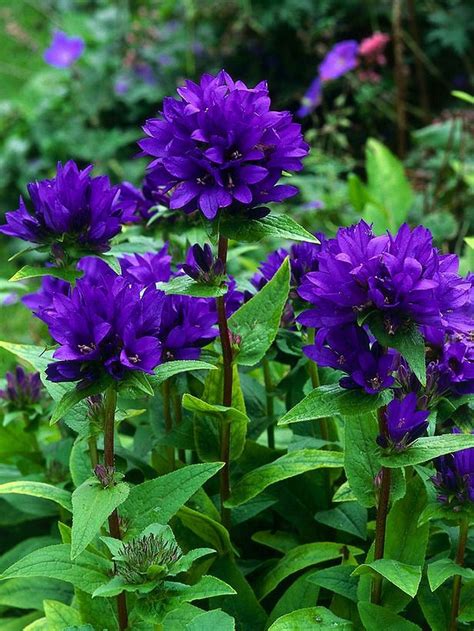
x: 137, y: 52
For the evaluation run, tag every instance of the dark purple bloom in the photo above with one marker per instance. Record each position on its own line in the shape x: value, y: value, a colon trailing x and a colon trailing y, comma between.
x: 340, y: 59
x: 71, y: 211
x: 149, y: 268
x: 138, y: 204
x: 64, y: 50
x: 203, y: 267
x: 404, y: 423
x: 349, y: 349
x: 454, y: 479
x: 107, y: 328
x: 311, y: 99
x: 22, y: 389
x: 221, y: 146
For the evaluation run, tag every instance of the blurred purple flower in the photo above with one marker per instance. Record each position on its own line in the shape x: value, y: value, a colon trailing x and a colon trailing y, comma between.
x: 339, y: 60
x: 64, y: 50
x: 311, y: 99
x: 22, y: 388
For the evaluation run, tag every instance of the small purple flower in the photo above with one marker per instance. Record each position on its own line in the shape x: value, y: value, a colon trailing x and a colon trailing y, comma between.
x: 138, y: 204
x: 311, y: 99
x: 203, y: 267
x: 64, y: 51
x: 342, y: 58
x: 149, y: 268
x: 221, y: 147
x: 72, y: 211
x: 404, y: 423
x: 454, y: 479
x: 349, y: 349
x: 22, y: 389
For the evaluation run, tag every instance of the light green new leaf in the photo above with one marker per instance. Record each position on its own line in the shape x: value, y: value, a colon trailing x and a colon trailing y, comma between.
x: 29, y: 593
x: 87, y: 572
x: 375, y: 618
x: 37, y: 356
x: 187, y: 286
x: 172, y: 368
x: 198, y: 406
x: 300, y: 558
x: 424, y: 449
x: 258, y: 320
x: 344, y: 494
x: 439, y: 572
x: 91, y: 505
x: 38, y: 489
x: 289, y: 465
x: 277, y: 226
x: 215, y: 619
x: 328, y: 400
x: 61, y: 616
x: 28, y: 271
x: 206, y: 587
x: 158, y: 500
x: 311, y: 618
x: 405, y: 577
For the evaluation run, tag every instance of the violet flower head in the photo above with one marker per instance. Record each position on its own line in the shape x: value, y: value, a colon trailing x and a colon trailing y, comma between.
x: 312, y: 98
x: 342, y: 58
x: 138, y: 204
x: 72, y: 212
x: 202, y: 266
x: 64, y: 51
x: 404, y: 423
x: 149, y: 268
x: 222, y: 147
x: 22, y: 389
x: 454, y: 479
x: 40, y: 301
x: 109, y: 328
x: 349, y: 349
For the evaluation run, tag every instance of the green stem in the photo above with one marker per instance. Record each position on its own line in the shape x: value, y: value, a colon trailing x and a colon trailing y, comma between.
x: 457, y: 582
x: 315, y: 382
x: 166, y: 392
x: 178, y: 415
x: 226, y: 391
x: 382, y: 513
x: 110, y: 404
x: 269, y: 398
x: 93, y: 453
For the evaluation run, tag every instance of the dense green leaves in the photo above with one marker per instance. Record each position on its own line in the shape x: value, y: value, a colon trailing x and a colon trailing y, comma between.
x: 329, y: 400
x: 257, y: 321
x: 293, y: 463
x: 91, y: 505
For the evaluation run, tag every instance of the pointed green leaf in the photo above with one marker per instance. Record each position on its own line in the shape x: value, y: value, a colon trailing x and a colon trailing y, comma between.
x: 425, y: 449
x: 61, y: 616
x: 226, y: 414
x: 29, y: 271
x: 347, y: 517
x: 38, y: 489
x: 277, y: 226
x: 206, y: 528
x: 215, y: 619
x: 187, y: 286
x: 300, y: 594
x: 289, y: 465
x: 439, y: 572
x: 337, y: 579
x: 74, y: 396
x: 312, y: 617
x: 172, y: 368
x: 405, y: 577
x: 375, y: 618
x: 91, y: 505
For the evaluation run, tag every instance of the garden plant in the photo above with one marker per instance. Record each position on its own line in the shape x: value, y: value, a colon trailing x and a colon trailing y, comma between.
x: 224, y: 409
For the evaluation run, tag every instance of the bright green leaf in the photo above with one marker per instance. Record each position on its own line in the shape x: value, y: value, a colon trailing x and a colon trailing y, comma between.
x: 215, y: 619
x: 186, y: 286
x: 375, y: 618
x: 424, y: 449
x: 277, y: 226
x: 38, y: 489
x: 312, y: 617
x: 29, y: 271
x: 405, y: 577
x: 439, y: 572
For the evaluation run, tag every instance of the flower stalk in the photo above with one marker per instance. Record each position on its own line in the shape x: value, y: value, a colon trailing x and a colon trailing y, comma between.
x: 382, y: 512
x: 166, y: 392
x: 110, y: 403
x: 227, y: 388
x: 269, y: 402
x: 315, y: 382
x: 457, y: 582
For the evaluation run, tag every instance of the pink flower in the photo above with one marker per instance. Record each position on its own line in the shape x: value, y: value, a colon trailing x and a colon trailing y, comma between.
x: 372, y: 48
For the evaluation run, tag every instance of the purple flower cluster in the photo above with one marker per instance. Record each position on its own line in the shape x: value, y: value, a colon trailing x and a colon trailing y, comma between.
x: 454, y: 479
x: 137, y: 204
x: 221, y: 146
x: 72, y: 211
x: 404, y: 423
x: 22, y: 389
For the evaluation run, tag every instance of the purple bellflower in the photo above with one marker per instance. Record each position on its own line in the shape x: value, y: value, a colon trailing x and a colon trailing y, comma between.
x: 203, y: 267
x: 149, y: 268
x: 137, y: 203
x: 454, y: 479
x: 342, y: 58
x: 222, y: 147
x: 64, y: 51
x: 311, y: 99
x: 71, y: 210
x: 22, y: 389
x: 404, y: 423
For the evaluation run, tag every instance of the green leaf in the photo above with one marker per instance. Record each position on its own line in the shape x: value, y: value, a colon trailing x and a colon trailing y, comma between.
x: 74, y: 396
x: 289, y: 465
x: 258, y: 320
x: 206, y: 528
x: 405, y: 577
x: 439, y: 572
x: 277, y: 226
x: 186, y: 561
x: 424, y: 449
x: 301, y: 558
x: 29, y: 593
x: 87, y: 572
x: 344, y: 494
x: 60, y: 616
x: 277, y: 540
x: 388, y: 184
x: 464, y: 96
x: 158, y: 500
x: 225, y: 414
x: 436, y: 606
x: 36, y: 356
x: 408, y: 340
x: 362, y: 457
x: 348, y: 517
x: 215, y: 619
x: 375, y: 618
x: 206, y: 587
x: 136, y: 384
x: 337, y: 579
x: 23, y: 623
x: 91, y: 505
x: 312, y: 617
x: 326, y: 401
x: 186, y: 286
x: 29, y: 271
x: 172, y: 368
x: 38, y: 489
x: 357, y: 192
x: 301, y: 593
